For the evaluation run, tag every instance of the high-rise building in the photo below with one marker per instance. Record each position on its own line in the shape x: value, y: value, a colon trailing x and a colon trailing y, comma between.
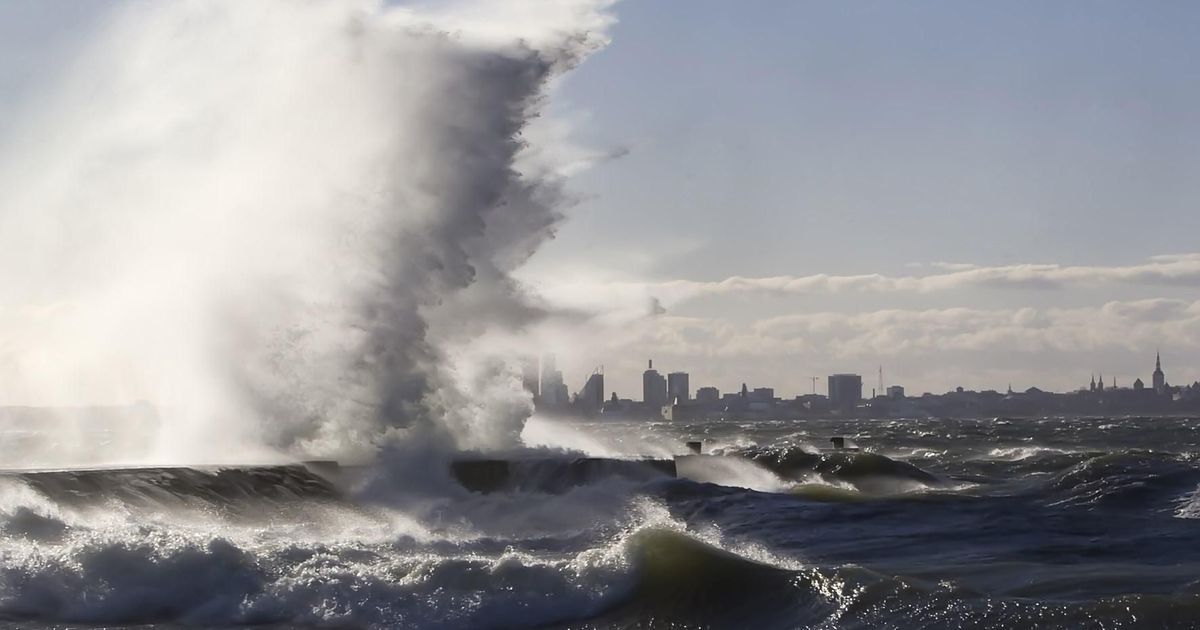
x: 845, y: 390
x: 553, y: 390
x: 591, y: 397
x: 654, y: 387
x: 708, y: 395
x: 763, y: 394
x: 1158, y: 380
x: 677, y: 387
x: 558, y: 396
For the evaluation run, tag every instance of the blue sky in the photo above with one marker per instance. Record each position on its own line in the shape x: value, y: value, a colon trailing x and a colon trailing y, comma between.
x: 800, y: 138
x: 906, y: 132
x: 810, y: 140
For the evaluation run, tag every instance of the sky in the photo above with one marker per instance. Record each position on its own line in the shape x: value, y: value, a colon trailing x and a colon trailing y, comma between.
x: 964, y: 194
x: 904, y: 140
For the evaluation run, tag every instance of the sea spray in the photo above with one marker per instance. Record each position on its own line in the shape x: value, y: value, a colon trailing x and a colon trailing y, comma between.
x: 285, y: 222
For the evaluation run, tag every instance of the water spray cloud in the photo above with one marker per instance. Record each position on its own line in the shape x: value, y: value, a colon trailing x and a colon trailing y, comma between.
x: 284, y: 221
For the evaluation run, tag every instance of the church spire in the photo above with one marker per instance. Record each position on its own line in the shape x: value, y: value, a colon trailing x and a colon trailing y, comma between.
x: 1158, y: 379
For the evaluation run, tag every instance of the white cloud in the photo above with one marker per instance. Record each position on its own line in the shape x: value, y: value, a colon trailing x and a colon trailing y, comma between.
x: 1131, y: 325
x: 1178, y: 270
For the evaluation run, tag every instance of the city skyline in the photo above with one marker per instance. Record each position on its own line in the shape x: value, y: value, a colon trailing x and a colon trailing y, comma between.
x: 653, y: 379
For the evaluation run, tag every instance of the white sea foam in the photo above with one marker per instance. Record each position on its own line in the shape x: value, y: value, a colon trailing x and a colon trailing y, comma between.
x: 1188, y: 506
x: 1018, y: 453
x: 331, y: 565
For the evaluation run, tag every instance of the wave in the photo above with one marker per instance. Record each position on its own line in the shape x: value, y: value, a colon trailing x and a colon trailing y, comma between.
x: 221, y: 581
x: 136, y: 571
x: 1127, y: 479
x: 1188, y: 506
x: 682, y: 581
x: 1019, y: 453
x: 827, y: 493
x: 866, y: 472
x: 655, y: 573
x: 1007, y: 462
x: 330, y: 566
x: 733, y: 472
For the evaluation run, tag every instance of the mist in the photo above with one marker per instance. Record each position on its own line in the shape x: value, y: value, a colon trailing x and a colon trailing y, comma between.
x: 287, y: 225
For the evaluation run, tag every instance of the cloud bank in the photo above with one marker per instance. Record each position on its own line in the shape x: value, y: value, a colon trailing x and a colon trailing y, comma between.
x: 1177, y: 270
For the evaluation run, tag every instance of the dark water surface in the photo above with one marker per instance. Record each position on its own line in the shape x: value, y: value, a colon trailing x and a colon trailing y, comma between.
x: 1048, y: 523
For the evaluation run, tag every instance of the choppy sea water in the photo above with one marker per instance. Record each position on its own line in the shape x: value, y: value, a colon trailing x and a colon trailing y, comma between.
x: 1049, y: 523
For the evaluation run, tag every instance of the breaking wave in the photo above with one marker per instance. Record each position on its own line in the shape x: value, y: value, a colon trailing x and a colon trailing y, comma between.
x: 865, y: 472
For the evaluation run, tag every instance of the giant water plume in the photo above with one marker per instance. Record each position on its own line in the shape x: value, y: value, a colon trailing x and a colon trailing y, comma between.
x: 284, y: 222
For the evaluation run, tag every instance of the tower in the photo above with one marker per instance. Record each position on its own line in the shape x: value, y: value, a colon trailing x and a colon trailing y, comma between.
x: 1158, y: 380
x: 845, y: 390
x: 678, y: 389
x: 654, y: 387
x: 553, y: 390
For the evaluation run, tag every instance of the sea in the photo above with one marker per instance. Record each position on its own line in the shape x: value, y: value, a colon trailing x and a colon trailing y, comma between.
x: 1056, y: 522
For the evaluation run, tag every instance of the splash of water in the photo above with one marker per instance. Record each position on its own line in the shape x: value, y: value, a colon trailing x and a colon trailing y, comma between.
x: 284, y: 222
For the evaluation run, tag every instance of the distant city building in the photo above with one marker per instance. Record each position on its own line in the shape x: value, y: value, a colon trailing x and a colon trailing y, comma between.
x: 670, y: 397
x: 591, y: 397
x: 555, y: 396
x: 677, y: 387
x: 1158, y: 379
x: 553, y: 391
x: 845, y: 390
x: 762, y: 394
x: 654, y: 387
